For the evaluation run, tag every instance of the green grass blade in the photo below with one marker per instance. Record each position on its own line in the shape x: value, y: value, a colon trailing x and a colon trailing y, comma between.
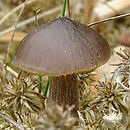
x: 11, y: 56
x: 64, y: 8
x: 47, y: 86
x: 39, y: 84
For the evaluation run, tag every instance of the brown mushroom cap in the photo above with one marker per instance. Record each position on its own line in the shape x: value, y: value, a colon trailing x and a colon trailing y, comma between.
x: 61, y: 47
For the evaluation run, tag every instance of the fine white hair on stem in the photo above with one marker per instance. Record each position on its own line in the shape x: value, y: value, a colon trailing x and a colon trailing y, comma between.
x: 15, y: 26
x: 20, y: 127
x: 15, y: 10
x: 32, y: 19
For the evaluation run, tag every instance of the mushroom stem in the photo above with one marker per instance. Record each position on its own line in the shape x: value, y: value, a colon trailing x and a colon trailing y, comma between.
x: 64, y: 91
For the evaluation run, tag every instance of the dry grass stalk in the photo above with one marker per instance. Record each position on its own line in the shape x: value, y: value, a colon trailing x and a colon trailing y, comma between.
x: 107, y: 9
x: 89, y: 4
x: 68, y: 7
x: 109, y: 19
x: 32, y: 19
x: 15, y: 26
x: 15, y: 10
x: 12, y: 121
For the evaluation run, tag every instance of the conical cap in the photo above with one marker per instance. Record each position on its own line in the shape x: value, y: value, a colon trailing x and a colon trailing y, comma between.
x: 61, y: 47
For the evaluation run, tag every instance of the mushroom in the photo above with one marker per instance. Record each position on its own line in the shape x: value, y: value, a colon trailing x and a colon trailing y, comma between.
x: 62, y: 49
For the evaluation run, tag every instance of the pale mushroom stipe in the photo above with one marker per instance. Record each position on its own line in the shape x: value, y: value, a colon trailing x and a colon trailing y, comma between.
x: 62, y: 49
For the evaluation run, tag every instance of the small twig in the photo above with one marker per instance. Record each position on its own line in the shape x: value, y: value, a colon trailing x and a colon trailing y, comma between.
x: 32, y: 19
x: 15, y: 26
x: 88, y: 10
x: 12, y: 71
x: 20, y: 127
x: 14, y: 10
x: 109, y: 19
x: 9, y: 69
x: 68, y: 7
x: 20, y: 74
x: 36, y: 19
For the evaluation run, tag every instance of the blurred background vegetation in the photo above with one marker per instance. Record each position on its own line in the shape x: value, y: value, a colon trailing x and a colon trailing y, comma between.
x: 90, y: 96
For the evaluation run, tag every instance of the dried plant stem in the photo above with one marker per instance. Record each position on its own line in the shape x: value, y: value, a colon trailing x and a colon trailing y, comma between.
x: 15, y: 10
x: 9, y: 69
x: 36, y: 17
x: 68, y: 7
x: 15, y: 26
x: 20, y: 127
x: 12, y: 71
x: 32, y: 19
x: 109, y: 19
x: 88, y: 10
